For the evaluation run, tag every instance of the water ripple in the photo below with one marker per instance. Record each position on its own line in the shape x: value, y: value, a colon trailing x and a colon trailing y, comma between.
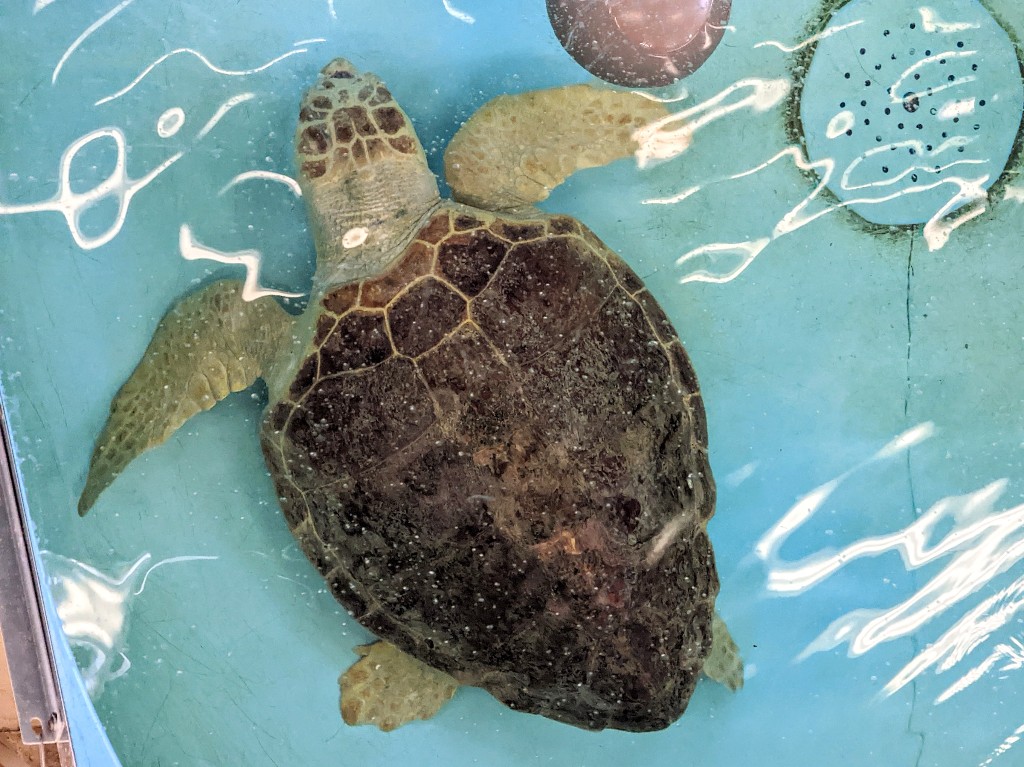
x: 209, y: 65
x: 981, y: 543
x: 93, y: 610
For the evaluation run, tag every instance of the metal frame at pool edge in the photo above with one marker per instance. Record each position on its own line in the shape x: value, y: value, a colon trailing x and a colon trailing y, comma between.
x: 29, y: 653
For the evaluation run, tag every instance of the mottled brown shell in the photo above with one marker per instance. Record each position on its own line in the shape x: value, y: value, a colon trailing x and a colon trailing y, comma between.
x: 496, y: 456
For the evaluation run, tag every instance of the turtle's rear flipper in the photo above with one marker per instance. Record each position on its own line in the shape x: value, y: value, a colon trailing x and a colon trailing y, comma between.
x: 516, y: 149
x: 723, y: 664
x: 210, y: 344
x: 388, y: 688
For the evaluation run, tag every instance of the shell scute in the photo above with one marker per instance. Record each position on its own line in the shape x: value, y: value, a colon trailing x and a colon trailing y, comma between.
x: 381, y: 96
x: 518, y: 231
x: 359, y: 340
x: 470, y: 383
x: 360, y: 120
x: 403, y: 144
x: 353, y: 422
x: 314, y: 168
x: 314, y: 139
x: 657, y: 317
x: 343, y: 130
x: 424, y: 314
x: 469, y: 260
x: 563, y: 225
x: 292, y: 503
x: 543, y: 292
x: 643, y: 373
x: 417, y: 261
x: 625, y: 276
x: 341, y: 299
x: 389, y: 119
x: 684, y: 368
x: 325, y: 325
x: 695, y: 406
x: 464, y: 222
x: 306, y: 375
x: 435, y: 230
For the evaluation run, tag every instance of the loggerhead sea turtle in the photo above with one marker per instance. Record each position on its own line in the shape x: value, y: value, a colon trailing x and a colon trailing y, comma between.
x: 483, y: 430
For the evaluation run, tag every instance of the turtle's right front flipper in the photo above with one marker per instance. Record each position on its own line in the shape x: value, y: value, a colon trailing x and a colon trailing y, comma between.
x: 210, y: 344
x: 516, y: 148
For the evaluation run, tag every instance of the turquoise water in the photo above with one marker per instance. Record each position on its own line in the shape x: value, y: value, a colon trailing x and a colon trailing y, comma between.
x: 862, y: 380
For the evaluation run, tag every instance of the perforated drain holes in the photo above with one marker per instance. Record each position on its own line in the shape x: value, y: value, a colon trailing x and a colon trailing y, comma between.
x: 918, y: 116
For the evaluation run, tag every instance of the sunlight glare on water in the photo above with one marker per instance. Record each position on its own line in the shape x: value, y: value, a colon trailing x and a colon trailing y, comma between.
x: 829, y: 214
x: 93, y: 610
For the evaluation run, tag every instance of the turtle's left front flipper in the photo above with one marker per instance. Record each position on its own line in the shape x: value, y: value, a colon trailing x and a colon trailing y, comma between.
x: 210, y: 344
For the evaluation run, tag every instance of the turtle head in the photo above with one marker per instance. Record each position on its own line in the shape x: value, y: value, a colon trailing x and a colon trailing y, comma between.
x: 362, y: 171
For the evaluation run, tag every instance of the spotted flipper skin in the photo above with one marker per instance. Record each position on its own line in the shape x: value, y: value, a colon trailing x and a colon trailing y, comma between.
x: 388, y: 688
x: 724, y: 664
x: 513, y: 151
x: 210, y: 344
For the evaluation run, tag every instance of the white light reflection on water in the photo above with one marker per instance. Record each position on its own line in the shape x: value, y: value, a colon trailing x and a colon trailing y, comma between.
x: 455, y: 13
x: 840, y: 123
x: 1012, y: 653
x: 223, y: 109
x: 705, y: 263
x: 720, y: 262
x: 805, y: 508
x: 981, y: 544
x: 192, y: 250
x: 93, y: 609
x: 82, y: 37
x: 742, y: 474
x: 918, y: 148
x: 957, y: 108
x: 1005, y: 746
x: 119, y: 185
x: 810, y: 40
x: 671, y: 135
x: 680, y: 93
x: 265, y: 175
x: 931, y: 22
x: 209, y: 65
x: 1014, y: 194
x: 896, y: 92
x: 170, y: 122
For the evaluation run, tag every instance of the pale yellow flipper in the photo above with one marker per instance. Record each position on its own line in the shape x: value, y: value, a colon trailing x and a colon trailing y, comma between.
x: 388, y: 688
x: 723, y: 664
x: 515, y: 149
x: 210, y: 344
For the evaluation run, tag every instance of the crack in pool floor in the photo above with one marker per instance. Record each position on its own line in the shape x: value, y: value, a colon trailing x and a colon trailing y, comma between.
x: 919, y: 734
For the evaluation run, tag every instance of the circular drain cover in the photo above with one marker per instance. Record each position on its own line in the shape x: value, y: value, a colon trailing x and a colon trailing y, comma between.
x: 913, y: 104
